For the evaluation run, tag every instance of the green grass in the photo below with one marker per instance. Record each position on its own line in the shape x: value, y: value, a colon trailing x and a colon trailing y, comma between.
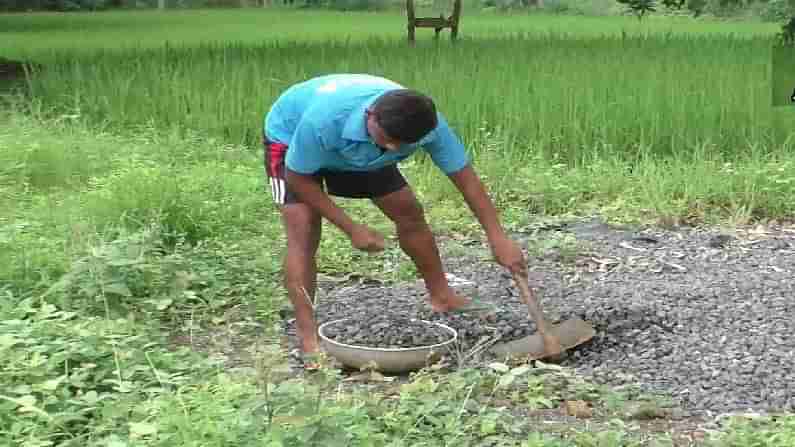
x: 62, y: 182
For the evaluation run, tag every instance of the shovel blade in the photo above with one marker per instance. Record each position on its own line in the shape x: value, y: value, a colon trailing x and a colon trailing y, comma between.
x: 570, y: 333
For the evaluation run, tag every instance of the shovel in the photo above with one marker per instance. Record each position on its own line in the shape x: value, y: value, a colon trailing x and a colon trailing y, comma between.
x: 551, y: 340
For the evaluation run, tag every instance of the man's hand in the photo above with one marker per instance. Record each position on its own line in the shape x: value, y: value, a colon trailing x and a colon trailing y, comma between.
x: 509, y: 255
x: 361, y: 236
x: 366, y: 239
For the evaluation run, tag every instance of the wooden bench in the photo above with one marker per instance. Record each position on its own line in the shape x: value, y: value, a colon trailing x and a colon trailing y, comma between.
x: 437, y: 23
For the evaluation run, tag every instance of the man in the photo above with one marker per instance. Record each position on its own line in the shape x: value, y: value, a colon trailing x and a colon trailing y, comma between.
x: 349, y: 131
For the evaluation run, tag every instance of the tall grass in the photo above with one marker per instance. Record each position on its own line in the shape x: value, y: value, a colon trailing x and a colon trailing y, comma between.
x: 569, y: 97
x: 62, y: 180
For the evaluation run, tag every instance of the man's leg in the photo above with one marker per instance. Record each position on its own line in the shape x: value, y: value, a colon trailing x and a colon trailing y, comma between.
x: 418, y: 242
x: 303, y: 228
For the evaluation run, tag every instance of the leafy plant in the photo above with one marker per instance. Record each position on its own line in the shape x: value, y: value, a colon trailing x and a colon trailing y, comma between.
x: 60, y: 373
x: 768, y: 431
x: 639, y: 7
x: 787, y: 34
x: 642, y: 7
x: 120, y: 276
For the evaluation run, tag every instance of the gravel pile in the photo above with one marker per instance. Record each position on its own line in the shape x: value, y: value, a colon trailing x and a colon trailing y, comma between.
x: 386, y: 331
x: 365, y: 305
x: 704, y: 316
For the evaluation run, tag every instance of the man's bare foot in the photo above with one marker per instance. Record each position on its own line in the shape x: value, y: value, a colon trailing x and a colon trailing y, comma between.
x: 447, y: 301
x: 310, y: 352
x: 309, y: 343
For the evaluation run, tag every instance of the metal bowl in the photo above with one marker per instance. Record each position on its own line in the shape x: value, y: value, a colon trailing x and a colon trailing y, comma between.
x: 388, y: 360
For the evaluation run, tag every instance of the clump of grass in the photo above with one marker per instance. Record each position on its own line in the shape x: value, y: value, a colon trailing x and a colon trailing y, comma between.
x: 194, y: 189
x: 196, y: 203
x: 35, y: 157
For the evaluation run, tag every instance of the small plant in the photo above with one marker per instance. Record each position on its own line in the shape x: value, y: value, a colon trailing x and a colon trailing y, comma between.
x: 787, y: 34
x: 566, y: 247
x: 648, y: 411
x: 642, y: 7
x: 696, y: 7
x: 64, y: 375
x: 768, y: 431
x: 639, y: 8
x: 125, y: 275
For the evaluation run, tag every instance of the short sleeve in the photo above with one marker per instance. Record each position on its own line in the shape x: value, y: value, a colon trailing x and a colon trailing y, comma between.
x: 307, y: 153
x: 446, y: 149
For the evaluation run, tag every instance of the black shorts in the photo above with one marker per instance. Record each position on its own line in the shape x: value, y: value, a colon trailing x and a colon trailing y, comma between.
x: 349, y: 184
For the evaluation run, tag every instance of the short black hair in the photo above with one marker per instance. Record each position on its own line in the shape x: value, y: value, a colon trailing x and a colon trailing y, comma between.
x: 405, y: 115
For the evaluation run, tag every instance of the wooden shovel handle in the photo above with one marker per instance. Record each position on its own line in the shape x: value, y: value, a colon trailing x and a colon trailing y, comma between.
x: 530, y: 301
x: 551, y: 344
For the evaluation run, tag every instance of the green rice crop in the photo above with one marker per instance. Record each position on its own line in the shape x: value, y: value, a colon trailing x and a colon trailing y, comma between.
x: 31, y: 35
x: 570, y: 97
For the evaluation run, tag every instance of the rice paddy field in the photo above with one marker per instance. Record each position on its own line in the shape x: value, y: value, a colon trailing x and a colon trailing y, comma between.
x: 563, y: 86
x: 133, y: 210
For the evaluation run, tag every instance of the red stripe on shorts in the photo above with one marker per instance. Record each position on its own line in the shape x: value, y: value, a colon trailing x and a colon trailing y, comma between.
x: 276, y: 152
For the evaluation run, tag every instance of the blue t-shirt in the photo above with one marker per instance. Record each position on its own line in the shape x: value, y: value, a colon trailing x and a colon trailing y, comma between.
x: 323, y: 123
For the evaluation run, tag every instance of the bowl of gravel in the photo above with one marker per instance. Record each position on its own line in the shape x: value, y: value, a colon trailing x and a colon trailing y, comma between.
x: 389, y: 344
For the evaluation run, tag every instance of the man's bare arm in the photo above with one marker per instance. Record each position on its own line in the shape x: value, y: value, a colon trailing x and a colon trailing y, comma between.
x: 313, y: 195
x: 310, y: 193
x: 468, y: 182
x: 506, y: 252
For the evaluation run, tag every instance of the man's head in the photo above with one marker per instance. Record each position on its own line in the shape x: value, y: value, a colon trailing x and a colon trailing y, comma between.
x: 400, y: 117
